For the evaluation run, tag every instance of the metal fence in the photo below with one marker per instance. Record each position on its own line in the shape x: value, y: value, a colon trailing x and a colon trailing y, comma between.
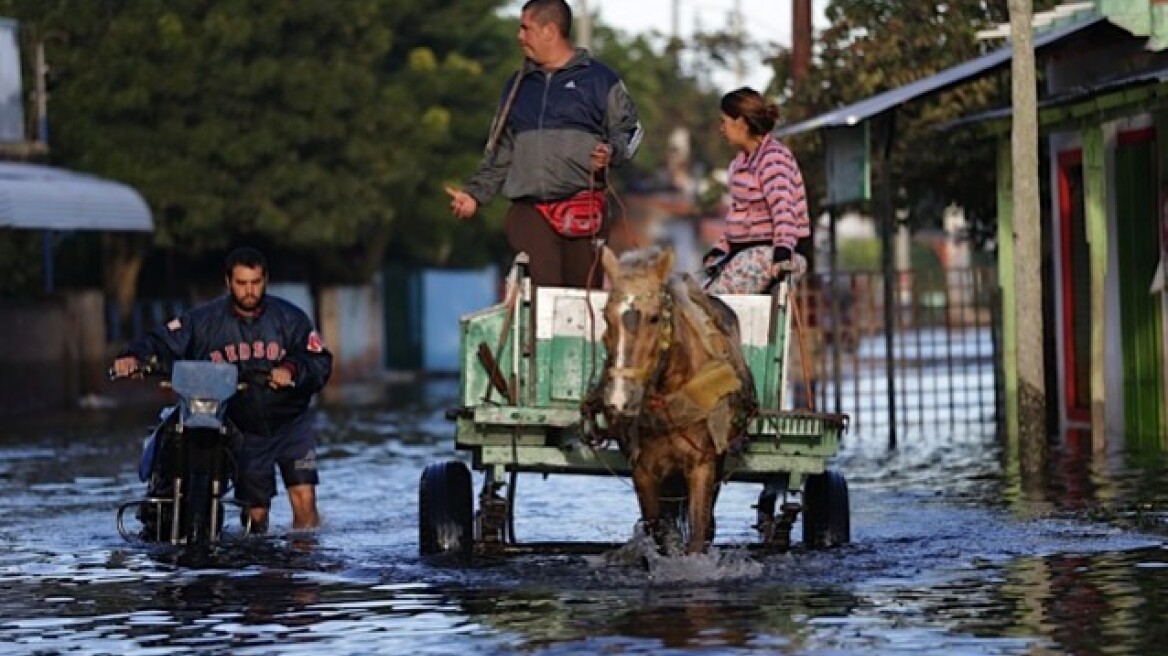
x: 942, y: 367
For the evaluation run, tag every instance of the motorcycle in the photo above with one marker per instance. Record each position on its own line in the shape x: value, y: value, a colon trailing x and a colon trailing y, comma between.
x: 188, y: 460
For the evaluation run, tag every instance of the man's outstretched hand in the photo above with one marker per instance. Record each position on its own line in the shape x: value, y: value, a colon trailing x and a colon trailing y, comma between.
x: 462, y: 204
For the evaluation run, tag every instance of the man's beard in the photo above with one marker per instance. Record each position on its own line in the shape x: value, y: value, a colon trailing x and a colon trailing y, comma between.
x: 247, y: 303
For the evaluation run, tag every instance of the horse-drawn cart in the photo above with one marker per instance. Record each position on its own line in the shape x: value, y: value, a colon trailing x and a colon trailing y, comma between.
x: 526, y: 366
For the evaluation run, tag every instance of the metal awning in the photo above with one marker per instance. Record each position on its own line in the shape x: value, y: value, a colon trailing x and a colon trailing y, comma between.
x: 865, y: 109
x: 1069, y: 97
x: 46, y: 198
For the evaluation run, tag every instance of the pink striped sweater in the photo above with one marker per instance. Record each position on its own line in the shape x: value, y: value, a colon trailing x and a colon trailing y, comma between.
x: 768, y: 203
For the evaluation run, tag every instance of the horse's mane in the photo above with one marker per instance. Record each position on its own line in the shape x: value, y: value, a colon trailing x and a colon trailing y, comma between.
x: 693, y: 305
x: 640, y: 261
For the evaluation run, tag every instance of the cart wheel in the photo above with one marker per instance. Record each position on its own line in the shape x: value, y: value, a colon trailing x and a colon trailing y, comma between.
x: 445, y: 513
x: 826, y: 515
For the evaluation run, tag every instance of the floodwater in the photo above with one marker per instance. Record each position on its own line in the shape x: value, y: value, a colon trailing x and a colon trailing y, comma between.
x: 956, y: 551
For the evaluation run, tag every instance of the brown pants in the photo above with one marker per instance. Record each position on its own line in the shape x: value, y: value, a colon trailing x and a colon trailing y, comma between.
x: 556, y: 261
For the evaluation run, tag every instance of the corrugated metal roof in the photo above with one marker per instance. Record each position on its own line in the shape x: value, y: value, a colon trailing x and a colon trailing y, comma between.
x: 950, y: 77
x: 1069, y: 97
x: 47, y: 198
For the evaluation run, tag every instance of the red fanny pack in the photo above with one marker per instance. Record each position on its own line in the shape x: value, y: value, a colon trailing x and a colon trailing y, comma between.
x: 576, y: 216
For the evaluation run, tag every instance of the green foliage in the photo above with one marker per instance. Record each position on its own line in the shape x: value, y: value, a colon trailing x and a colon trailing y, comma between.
x: 873, y: 46
x: 323, y: 131
x: 323, y: 127
x: 667, y: 98
x: 859, y: 254
x: 20, y: 262
x: 863, y: 254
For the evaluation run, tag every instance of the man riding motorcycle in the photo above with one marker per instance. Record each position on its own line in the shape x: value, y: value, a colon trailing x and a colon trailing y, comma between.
x: 267, y: 338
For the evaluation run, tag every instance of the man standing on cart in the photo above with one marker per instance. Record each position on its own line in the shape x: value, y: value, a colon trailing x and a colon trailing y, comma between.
x: 564, y: 120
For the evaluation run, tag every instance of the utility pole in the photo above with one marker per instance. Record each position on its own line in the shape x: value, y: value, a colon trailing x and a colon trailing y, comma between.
x: 675, y: 20
x: 584, y: 20
x: 738, y: 29
x: 1031, y: 400
x: 674, y: 47
x: 800, y: 41
x: 42, y: 93
x: 41, y: 84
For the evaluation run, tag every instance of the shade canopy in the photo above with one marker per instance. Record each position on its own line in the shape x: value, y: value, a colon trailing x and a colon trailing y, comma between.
x: 46, y: 198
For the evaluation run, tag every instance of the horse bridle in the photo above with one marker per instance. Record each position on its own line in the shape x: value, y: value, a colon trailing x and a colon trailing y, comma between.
x: 645, y: 376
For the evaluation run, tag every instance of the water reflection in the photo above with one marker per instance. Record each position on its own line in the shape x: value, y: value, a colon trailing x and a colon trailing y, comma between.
x: 1112, y: 482
x: 1091, y: 604
x: 961, y: 547
x: 647, y: 620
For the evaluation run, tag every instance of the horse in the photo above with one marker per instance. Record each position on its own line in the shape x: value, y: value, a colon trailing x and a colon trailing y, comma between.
x: 675, y: 391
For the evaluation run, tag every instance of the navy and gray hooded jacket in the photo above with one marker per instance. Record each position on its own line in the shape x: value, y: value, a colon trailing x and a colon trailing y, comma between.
x: 545, y: 150
x: 281, y: 334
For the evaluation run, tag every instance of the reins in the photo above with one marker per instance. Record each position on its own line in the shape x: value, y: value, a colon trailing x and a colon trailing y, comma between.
x: 504, y: 110
x: 798, y: 316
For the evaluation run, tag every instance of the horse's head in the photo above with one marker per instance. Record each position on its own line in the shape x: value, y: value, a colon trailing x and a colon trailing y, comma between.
x: 639, y: 317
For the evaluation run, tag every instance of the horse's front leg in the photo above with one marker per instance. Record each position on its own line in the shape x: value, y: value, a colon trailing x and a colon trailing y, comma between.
x: 647, y: 485
x: 702, y: 480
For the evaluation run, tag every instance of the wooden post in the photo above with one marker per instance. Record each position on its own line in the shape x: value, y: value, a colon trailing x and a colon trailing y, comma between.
x: 1027, y: 227
x: 584, y: 25
x: 1006, y: 282
x: 1095, y: 205
x: 886, y: 218
x: 1162, y: 296
x: 801, y: 39
x: 838, y: 326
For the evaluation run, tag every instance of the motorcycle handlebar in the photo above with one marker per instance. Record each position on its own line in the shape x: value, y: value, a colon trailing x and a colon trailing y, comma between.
x: 152, y: 368
x: 149, y: 368
x: 258, y: 379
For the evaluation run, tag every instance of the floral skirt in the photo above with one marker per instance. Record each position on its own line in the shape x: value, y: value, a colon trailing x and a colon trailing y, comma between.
x: 748, y: 272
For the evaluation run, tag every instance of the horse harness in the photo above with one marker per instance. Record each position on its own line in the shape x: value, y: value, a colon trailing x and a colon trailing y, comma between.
x: 697, y: 399
x: 648, y: 375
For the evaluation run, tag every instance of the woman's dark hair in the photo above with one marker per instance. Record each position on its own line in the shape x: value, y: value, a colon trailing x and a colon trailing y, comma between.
x: 748, y: 104
x: 247, y: 257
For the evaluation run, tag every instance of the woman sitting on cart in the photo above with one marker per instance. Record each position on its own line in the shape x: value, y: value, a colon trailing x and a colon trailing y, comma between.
x: 767, y: 221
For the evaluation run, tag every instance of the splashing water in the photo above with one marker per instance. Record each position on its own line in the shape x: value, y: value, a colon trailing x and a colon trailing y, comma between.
x: 717, y: 565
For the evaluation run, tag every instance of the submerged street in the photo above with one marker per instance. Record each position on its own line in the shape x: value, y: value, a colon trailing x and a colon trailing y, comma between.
x: 953, y: 552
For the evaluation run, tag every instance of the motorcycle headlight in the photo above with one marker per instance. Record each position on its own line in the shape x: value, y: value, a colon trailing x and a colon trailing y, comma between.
x: 204, y: 406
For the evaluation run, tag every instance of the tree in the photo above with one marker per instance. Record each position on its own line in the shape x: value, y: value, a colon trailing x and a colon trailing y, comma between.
x: 308, y: 124
x: 323, y: 131
x: 872, y: 46
x: 667, y: 97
